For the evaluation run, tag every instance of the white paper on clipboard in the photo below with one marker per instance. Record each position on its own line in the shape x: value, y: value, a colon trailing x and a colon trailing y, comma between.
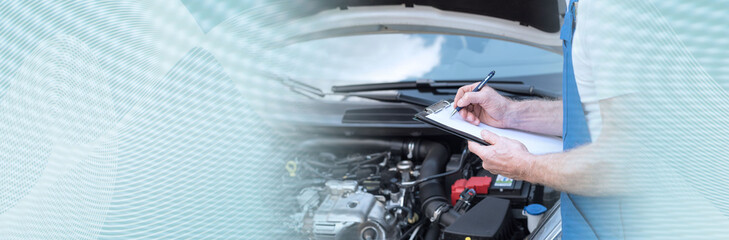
x: 535, y: 143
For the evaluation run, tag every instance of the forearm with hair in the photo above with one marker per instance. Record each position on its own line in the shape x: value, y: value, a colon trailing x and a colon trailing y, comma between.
x: 595, y: 169
x: 580, y: 171
x: 538, y: 116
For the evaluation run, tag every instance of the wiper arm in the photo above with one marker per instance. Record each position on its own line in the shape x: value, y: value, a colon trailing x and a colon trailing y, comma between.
x: 311, y: 91
x: 524, y: 90
x: 393, y: 97
x: 426, y: 85
x: 422, y: 85
x: 512, y: 87
x: 301, y: 87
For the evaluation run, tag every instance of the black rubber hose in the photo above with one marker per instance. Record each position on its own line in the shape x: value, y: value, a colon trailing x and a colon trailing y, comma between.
x: 432, y: 192
x: 433, y: 232
x: 353, y: 144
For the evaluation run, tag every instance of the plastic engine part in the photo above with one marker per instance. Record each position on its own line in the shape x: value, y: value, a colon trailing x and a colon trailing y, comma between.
x: 480, y: 184
x: 489, y: 219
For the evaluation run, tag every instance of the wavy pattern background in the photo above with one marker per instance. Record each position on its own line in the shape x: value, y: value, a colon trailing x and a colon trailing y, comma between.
x: 673, y: 55
x: 145, y: 119
x: 120, y: 120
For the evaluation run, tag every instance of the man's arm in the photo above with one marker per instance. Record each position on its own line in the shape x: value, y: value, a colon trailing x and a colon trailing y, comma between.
x: 581, y: 171
x: 489, y: 107
x: 584, y: 171
x: 538, y: 116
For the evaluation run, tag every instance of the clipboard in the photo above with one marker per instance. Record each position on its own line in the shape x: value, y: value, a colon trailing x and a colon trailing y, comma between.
x: 438, y: 115
x: 441, y: 106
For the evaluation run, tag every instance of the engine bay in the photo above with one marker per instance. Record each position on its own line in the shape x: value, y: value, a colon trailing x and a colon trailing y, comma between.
x: 405, y: 188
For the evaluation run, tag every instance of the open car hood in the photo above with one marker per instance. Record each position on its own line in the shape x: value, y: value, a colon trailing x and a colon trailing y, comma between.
x: 530, y: 22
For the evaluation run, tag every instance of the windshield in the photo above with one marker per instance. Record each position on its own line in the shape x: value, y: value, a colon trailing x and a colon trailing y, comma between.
x: 396, y: 57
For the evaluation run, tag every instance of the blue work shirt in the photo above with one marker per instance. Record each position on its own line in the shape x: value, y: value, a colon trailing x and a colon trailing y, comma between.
x: 582, y: 217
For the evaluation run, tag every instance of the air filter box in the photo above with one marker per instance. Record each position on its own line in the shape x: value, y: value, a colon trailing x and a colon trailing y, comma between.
x: 489, y: 219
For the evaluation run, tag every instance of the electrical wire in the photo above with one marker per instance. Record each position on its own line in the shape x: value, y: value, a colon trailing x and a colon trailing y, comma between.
x: 363, y: 159
x: 462, y: 163
x: 415, y: 233
x: 311, y: 169
x: 412, y: 229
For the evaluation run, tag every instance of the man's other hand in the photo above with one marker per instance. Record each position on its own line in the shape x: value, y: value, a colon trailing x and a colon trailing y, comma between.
x: 504, y: 156
x: 485, y: 106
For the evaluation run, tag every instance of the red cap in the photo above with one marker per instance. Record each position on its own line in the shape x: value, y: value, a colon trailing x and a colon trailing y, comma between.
x: 456, y: 190
x: 480, y: 184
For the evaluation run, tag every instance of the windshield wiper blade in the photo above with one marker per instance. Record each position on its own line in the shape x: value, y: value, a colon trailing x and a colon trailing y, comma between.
x: 422, y: 85
x: 393, y: 97
x: 524, y: 90
x: 301, y: 87
x: 426, y: 85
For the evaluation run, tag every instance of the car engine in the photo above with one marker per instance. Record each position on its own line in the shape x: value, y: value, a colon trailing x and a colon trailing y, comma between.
x: 404, y: 189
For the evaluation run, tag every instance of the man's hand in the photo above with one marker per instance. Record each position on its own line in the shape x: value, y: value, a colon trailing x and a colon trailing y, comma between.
x: 504, y: 156
x: 485, y: 106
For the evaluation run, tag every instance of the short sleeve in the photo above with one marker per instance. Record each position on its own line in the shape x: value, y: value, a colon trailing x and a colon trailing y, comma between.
x: 608, y: 49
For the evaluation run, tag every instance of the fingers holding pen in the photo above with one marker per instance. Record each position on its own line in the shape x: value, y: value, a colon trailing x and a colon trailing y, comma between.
x: 468, y: 115
x: 473, y: 114
x: 463, y: 90
x: 471, y: 109
x: 476, y: 115
x: 474, y: 98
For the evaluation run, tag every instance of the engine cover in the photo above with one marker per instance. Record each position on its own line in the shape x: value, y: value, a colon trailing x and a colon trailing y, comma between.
x: 350, y: 214
x: 490, y: 219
